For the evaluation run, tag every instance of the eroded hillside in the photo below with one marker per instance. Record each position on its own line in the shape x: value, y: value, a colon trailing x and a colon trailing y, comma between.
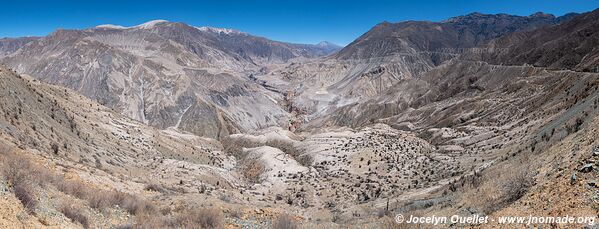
x: 168, y: 125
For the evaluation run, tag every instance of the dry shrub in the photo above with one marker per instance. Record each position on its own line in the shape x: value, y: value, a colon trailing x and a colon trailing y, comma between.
x: 124, y: 226
x: 499, y: 189
x: 17, y: 169
x: 150, y: 221
x: 75, y: 214
x: 19, y: 173
x: 390, y: 223
x: 135, y: 205
x: 102, y: 199
x: 516, y: 185
x: 252, y: 169
x: 305, y: 160
x: 187, y: 218
x: 235, y: 213
x: 4, y: 148
x: 285, y: 221
x: 24, y: 192
x: 286, y: 146
x: 155, y: 188
x: 96, y: 198
x: 74, y: 188
x: 230, y: 147
x: 503, y: 190
x: 202, y: 218
x: 23, y: 176
x: 234, y: 146
x: 99, y: 199
x: 55, y: 148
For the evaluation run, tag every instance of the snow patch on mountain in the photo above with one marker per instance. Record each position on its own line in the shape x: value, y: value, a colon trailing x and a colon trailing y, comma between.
x: 147, y: 25
x: 110, y: 26
x: 218, y: 30
x: 150, y: 24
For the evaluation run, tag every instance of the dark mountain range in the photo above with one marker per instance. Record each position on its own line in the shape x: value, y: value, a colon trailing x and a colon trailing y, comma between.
x: 572, y: 45
x: 413, y: 37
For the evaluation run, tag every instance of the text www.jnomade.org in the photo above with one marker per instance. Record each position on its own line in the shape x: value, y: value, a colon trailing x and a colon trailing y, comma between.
x: 477, y: 219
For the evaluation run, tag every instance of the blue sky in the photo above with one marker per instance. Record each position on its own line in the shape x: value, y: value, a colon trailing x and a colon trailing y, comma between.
x: 292, y: 21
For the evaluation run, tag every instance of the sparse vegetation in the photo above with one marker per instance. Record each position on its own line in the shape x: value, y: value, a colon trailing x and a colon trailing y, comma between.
x: 285, y: 146
x: 74, y: 213
x: 205, y: 218
x: 234, y: 146
x: 24, y: 192
x: 389, y: 223
x: 252, y: 169
x: 305, y: 160
x: 24, y: 176
x: 155, y: 188
x: 285, y: 221
x: 187, y: 218
x: 466, y: 138
x: 55, y: 148
x: 516, y: 185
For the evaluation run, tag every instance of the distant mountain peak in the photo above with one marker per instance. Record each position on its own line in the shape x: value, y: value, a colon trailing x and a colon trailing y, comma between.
x: 541, y: 14
x: 146, y: 25
x: 219, y: 30
x: 472, y: 15
x: 326, y: 44
x: 475, y: 14
x: 150, y: 24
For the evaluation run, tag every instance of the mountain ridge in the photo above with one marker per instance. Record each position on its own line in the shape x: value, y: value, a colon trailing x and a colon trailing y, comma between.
x: 568, y: 45
x: 170, y: 125
x: 389, y: 53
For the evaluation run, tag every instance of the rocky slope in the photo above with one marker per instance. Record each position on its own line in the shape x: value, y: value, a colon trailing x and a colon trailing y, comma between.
x: 71, y: 127
x: 389, y: 53
x: 167, y: 74
x: 569, y: 45
x: 81, y: 141
x: 518, y: 118
x: 385, y: 134
x: 306, y: 175
x: 412, y: 37
x: 10, y: 45
x: 460, y: 92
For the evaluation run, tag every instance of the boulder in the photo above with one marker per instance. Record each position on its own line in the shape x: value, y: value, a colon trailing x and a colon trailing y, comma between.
x: 586, y: 168
x: 593, y: 183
